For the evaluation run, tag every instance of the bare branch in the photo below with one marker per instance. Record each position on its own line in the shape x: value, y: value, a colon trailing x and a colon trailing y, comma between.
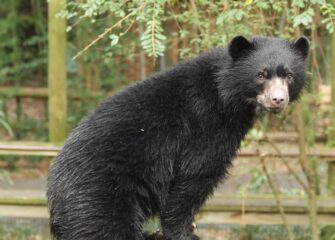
x: 275, y: 193
x: 108, y: 30
x: 297, y: 178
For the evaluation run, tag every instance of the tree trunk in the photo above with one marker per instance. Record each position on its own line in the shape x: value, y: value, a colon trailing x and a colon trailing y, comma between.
x: 331, y: 129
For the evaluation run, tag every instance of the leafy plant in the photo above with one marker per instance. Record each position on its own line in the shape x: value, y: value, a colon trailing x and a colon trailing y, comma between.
x: 23, y: 35
x: 203, y: 24
x: 328, y: 11
x: 4, y: 123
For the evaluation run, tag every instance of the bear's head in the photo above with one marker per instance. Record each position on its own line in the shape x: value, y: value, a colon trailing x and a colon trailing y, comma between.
x: 269, y: 71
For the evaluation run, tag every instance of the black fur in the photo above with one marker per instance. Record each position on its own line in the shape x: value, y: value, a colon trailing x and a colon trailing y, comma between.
x: 161, y: 146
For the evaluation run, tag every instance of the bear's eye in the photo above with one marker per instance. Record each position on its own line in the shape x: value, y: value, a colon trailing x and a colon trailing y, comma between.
x: 289, y: 77
x: 260, y: 75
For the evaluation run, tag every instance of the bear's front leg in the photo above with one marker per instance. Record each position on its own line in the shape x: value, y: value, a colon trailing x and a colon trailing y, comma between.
x: 186, y: 195
x: 158, y: 235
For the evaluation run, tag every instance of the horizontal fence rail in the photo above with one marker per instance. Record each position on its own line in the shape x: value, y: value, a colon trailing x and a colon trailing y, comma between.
x: 220, y: 209
x: 48, y: 149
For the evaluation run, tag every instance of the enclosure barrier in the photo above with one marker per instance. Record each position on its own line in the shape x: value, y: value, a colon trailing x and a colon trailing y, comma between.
x: 248, y: 209
x: 220, y: 209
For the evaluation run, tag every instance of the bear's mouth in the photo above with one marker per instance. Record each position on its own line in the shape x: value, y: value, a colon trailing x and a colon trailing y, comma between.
x: 261, y: 109
x: 270, y: 108
x: 274, y: 109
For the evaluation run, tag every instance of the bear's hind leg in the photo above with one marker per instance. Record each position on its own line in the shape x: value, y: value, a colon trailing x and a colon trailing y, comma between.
x: 88, y: 215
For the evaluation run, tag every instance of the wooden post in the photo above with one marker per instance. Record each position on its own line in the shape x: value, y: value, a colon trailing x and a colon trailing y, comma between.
x: 331, y: 130
x: 57, y: 72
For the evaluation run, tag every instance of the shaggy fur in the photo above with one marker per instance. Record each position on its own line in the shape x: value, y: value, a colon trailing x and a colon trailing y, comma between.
x: 162, y: 145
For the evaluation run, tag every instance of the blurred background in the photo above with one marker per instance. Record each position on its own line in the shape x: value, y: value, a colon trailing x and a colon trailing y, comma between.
x: 59, y: 59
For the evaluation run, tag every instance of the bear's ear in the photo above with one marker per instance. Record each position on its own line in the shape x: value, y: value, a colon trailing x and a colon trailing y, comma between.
x: 239, y: 46
x: 302, y: 45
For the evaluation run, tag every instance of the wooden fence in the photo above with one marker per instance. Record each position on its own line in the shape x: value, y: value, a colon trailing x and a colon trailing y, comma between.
x: 250, y: 209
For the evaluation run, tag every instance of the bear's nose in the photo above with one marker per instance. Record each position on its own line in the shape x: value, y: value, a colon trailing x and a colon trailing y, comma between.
x: 278, y: 98
x: 277, y: 101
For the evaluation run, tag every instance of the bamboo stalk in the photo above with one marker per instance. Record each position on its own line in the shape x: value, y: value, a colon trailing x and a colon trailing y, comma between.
x: 307, y: 165
x: 311, y: 177
x: 315, y: 83
x: 57, y: 87
x: 331, y: 129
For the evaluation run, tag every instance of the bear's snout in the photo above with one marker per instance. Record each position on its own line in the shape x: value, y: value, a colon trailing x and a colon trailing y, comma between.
x: 274, y: 97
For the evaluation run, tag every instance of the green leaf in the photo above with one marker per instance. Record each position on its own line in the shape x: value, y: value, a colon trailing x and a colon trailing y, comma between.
x: 304, y: 18
x: 320, y: 2
x: 6, y: 126
x: 298, y: 3
x: 248, y: 2
x: 220, y: 19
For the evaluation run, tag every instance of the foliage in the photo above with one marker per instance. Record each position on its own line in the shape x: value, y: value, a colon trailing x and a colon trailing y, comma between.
x: 328, y: 11
x: 274, y: 232
x: 4, y: 123
x: 152, y: 25
x: 83, y: 106
x: 5, y: 177
x: 24, y: 229
x: 202, y: 24
x: 328, y: 232
x: 28, y: 128
x: 155, y: 26
x: 257, y: 179
x: 152, y: 39
x: 23, y: 51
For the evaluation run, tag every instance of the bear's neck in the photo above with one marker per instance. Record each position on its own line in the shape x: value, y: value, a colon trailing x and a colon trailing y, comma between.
x: 230, y: 114
x: 216, y: 102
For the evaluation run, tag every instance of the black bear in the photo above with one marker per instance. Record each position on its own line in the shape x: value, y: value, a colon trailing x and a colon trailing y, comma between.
x: 162, y: 145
